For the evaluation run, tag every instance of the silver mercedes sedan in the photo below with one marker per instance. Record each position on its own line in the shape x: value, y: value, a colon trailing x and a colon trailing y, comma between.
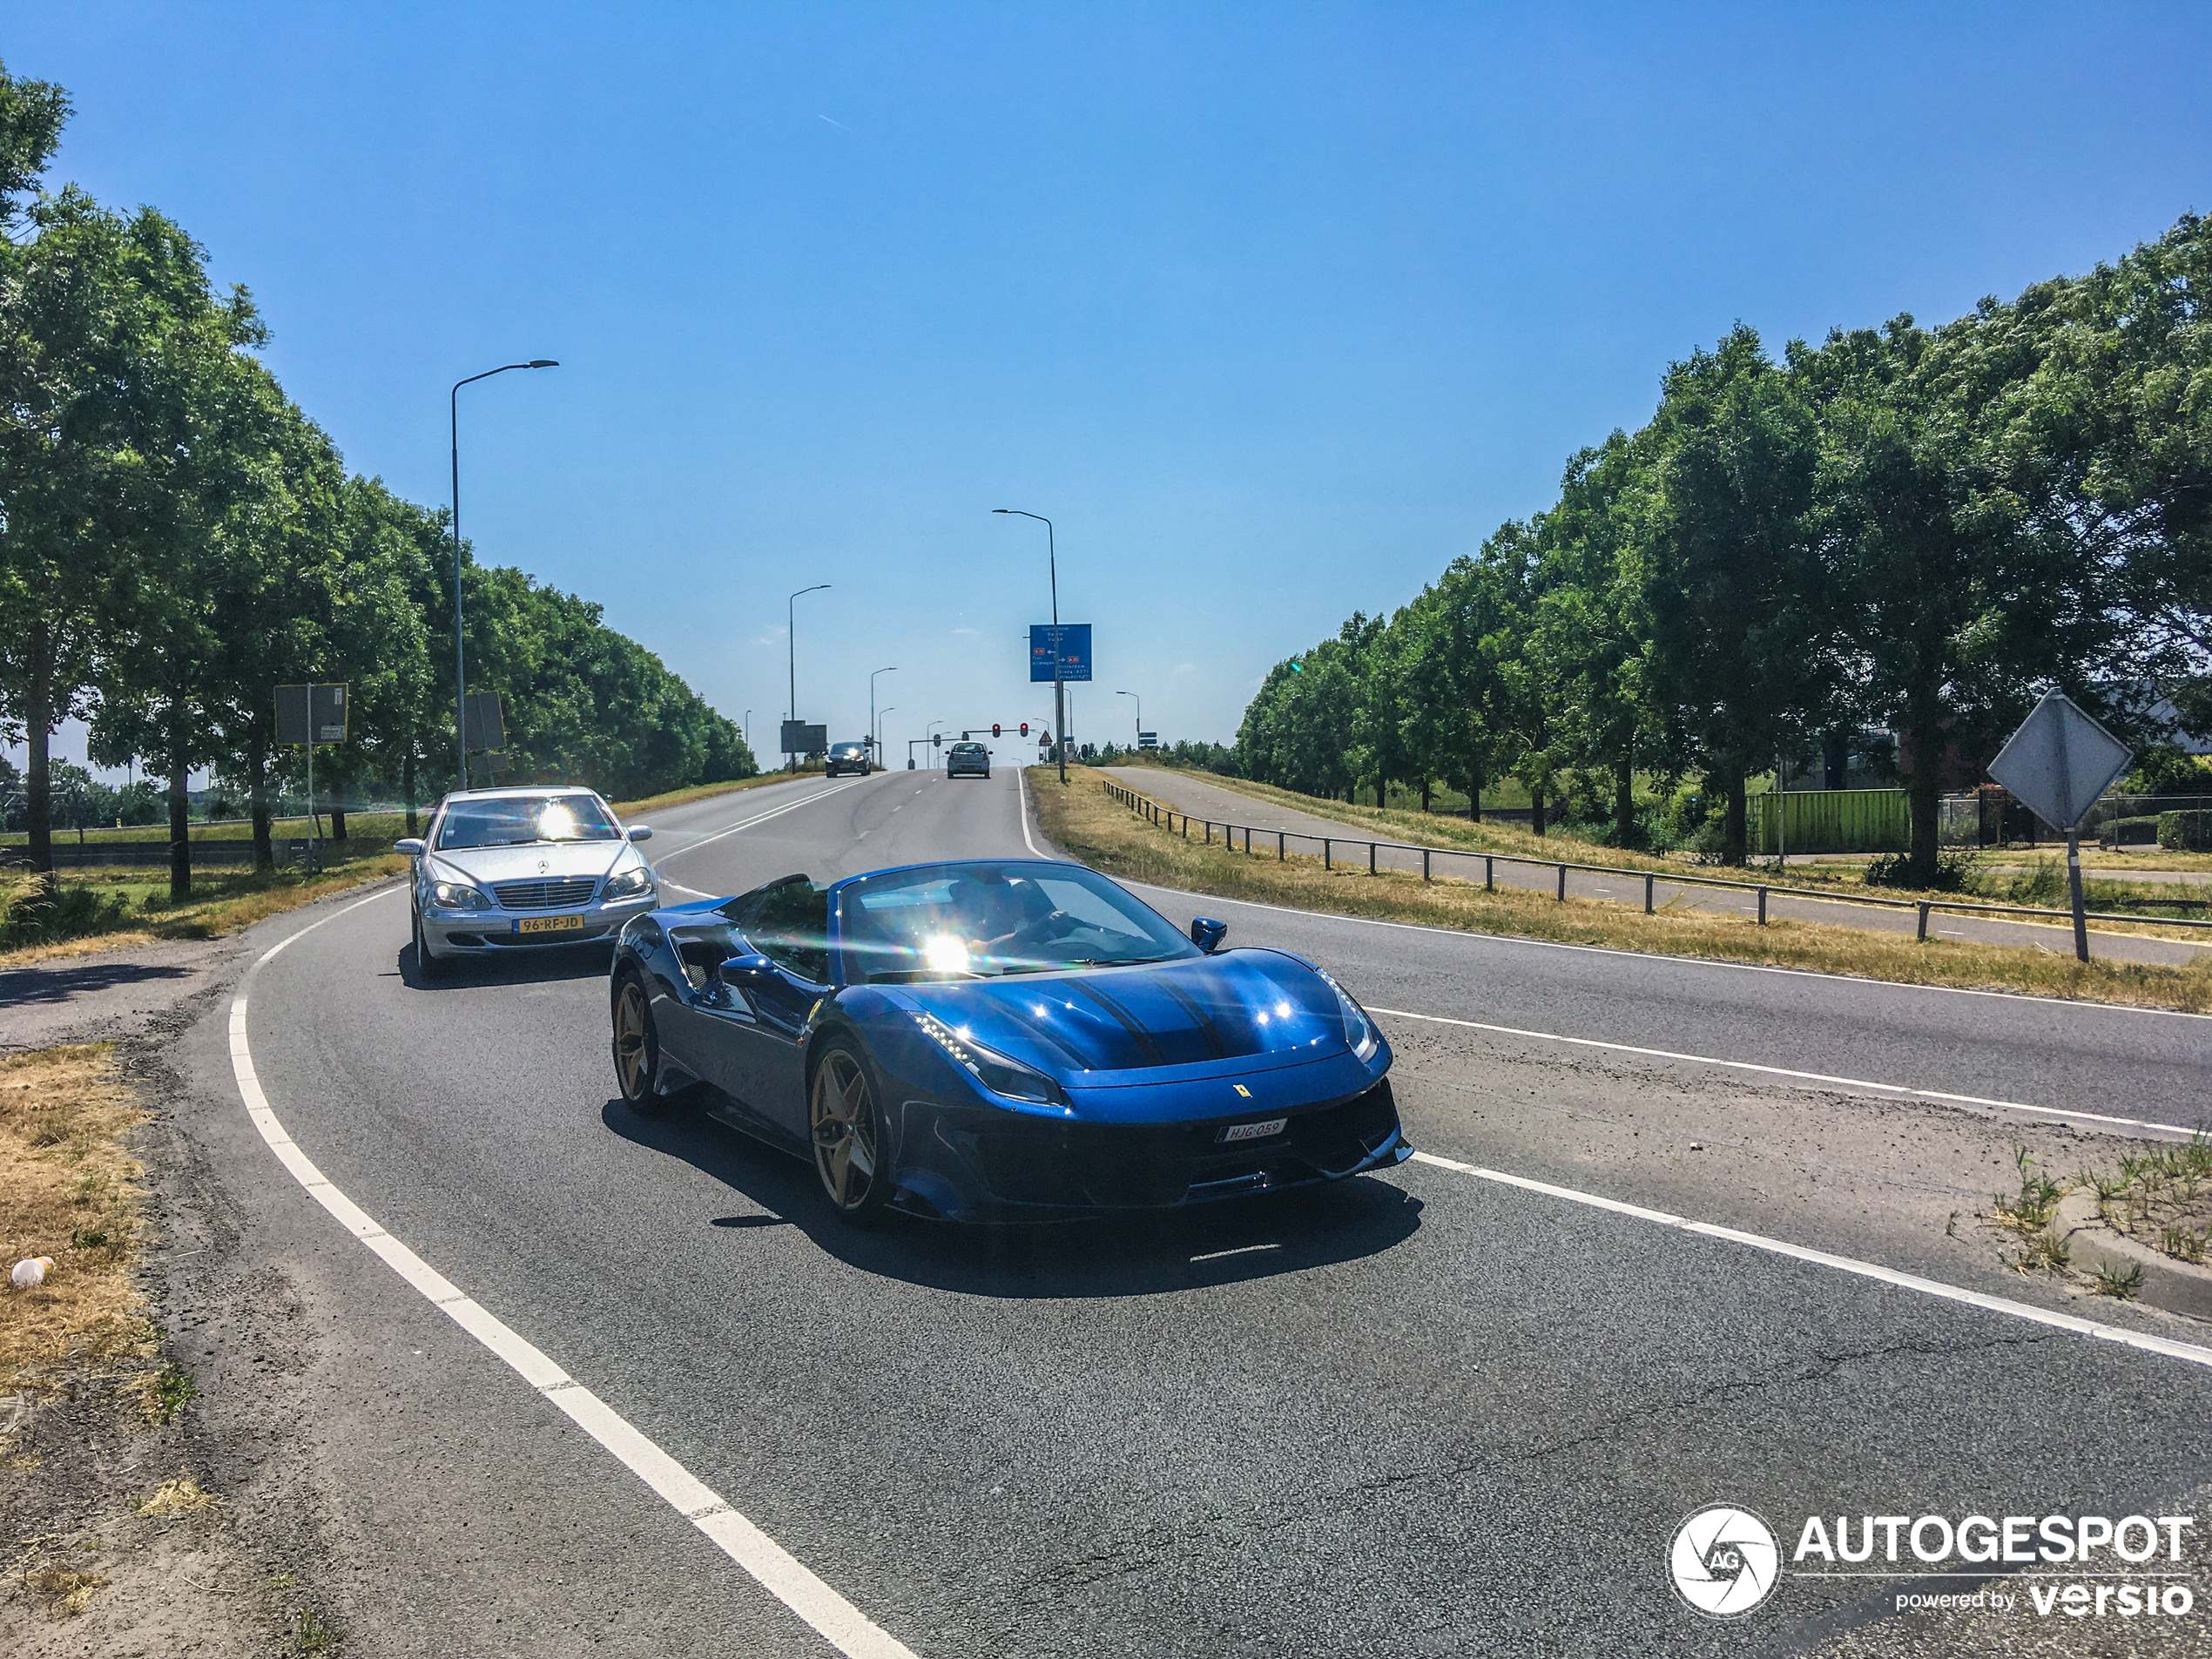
x: 504, y: 869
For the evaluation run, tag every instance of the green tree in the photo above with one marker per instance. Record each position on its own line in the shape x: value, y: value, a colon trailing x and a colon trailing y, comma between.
x: 1742, y: 612
x: 1591, y: 625
x: 75, y: 332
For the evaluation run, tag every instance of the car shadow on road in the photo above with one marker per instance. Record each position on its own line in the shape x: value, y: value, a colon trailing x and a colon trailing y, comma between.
x: 1144, y: 1253
x: 507, y: 968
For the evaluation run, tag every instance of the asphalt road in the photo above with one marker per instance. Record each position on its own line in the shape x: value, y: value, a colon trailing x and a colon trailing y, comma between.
x: 1424, y: 1415
x: 1207, y: 800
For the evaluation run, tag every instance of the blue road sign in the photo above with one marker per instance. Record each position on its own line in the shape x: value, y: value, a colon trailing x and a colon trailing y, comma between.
x: 1075, y: 651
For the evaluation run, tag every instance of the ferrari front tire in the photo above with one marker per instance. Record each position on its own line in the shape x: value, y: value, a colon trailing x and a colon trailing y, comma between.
x: 637, y: 1047
x: 847, y: 1133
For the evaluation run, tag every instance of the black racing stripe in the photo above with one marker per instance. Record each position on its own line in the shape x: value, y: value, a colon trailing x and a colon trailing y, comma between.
x: 1199, y: 1017
x: 1145, y: 1045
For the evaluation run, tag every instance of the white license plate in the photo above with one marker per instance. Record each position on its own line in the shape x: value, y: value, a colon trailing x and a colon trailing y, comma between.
x: 549, y: 924
x: 1254, y: 1131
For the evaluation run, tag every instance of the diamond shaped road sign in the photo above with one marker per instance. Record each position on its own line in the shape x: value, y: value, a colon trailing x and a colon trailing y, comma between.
x: 2059, y: 761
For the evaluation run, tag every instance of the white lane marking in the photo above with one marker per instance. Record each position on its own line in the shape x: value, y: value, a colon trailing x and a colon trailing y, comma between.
x: 1782, y: 1071
x: 777, y: 1570
x: 761, y: 818
x: 2188, y: 1351
x: 1694, y: 961
x: 1022, y: 805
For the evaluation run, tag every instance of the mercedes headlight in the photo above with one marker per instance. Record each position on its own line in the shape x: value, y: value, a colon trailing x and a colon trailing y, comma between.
x: 457, y: 896
x: 1359, y: 1033
x: 628, y: 884
x: 995, y: 1071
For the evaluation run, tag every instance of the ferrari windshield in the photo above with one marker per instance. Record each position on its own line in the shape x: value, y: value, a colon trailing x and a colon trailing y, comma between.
x: 982, y: 921
x: 523, y: 820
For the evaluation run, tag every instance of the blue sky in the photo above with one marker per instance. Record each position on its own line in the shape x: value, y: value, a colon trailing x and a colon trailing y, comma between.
x: 1274, y: 309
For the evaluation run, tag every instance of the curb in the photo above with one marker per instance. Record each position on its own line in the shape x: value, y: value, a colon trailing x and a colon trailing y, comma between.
x: 2177, y: 1287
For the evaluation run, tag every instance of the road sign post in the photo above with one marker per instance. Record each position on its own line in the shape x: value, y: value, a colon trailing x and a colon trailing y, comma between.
x: 485, y: 731
x: 307, y: 716
x: 1060, y: 652
x: 800, y: 739
x: 2057, y: 765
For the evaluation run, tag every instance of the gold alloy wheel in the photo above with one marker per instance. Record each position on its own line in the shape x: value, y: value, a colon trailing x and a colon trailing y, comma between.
x: 844, y: 1124
x: 633, y: 1043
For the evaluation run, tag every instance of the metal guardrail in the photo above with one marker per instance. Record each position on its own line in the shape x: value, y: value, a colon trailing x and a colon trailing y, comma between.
x: 1161, y: 813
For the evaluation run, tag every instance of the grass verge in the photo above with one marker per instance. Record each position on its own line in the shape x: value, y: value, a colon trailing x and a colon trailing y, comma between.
x: 71, y: 1190
x: 383, y: 827
x: 1088, y: 824
x: 114, y: 908
x: 2042, y: 882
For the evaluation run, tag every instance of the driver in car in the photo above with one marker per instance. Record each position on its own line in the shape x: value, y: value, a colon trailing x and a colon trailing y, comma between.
x: 1009, y: 917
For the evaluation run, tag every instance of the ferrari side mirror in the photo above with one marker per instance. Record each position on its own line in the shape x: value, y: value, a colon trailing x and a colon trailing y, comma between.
x: 744, y: 973
x: 1207, y: 934
x: 640, y: 832
x: 413, y: 847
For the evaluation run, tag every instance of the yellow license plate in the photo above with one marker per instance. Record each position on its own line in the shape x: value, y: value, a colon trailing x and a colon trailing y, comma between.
x: 549, y: 924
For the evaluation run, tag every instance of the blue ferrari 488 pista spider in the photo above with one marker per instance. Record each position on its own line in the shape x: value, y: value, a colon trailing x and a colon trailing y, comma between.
x: 999, y: 1040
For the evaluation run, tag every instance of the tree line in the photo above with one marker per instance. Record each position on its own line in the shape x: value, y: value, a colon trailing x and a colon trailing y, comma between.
x: 1912, y: 529
x: 177, y: 538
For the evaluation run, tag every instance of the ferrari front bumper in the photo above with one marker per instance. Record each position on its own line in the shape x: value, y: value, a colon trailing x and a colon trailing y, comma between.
x: 973, y: 1166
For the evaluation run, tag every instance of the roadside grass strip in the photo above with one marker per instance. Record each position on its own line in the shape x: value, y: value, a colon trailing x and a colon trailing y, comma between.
x: 1085, y: 821
x: 2190, y: 1351
x: 125, y: 907
x: 71, y: 1193
x: 776, y: 1569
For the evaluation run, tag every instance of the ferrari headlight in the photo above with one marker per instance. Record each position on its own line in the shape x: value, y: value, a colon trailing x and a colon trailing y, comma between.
x: 995, y: 1071
x: 457, y: 896
x: 628, y: 884
x: 1359, y: 1033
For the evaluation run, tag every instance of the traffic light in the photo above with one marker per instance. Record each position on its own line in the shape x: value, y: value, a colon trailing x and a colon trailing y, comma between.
x: 1025, y: 728
x: 936, y: 740
x: 995, y: 728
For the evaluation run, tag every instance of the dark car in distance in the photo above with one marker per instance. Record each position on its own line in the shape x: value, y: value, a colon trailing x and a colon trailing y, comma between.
x: 849, y: 756
x: 968, y: 758
x: 1000, y: 1040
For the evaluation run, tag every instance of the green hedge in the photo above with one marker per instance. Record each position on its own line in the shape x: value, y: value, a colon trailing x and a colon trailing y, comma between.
x: 2129, y: 832
x: 2191, y: 832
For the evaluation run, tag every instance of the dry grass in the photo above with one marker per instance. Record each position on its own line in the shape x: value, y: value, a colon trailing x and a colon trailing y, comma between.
x: 68, y: 1593
x: 179, y: 1497
x: 1085, y: 821
x: 69, y: 1190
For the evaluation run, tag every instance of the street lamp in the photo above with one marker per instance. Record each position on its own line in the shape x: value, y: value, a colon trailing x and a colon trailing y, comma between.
x: 893, y: 669
x: 872, y: 732
x: 460, y: 666
x: 791, y: 639
x: 1140, y: 714
x: 1059, y: 697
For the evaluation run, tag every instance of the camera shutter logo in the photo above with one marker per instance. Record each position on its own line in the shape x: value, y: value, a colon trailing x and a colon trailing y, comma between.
x: 1724, y: 1561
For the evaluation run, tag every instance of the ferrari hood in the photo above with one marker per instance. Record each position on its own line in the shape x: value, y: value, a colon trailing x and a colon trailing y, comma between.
x: 1242, y: 1010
